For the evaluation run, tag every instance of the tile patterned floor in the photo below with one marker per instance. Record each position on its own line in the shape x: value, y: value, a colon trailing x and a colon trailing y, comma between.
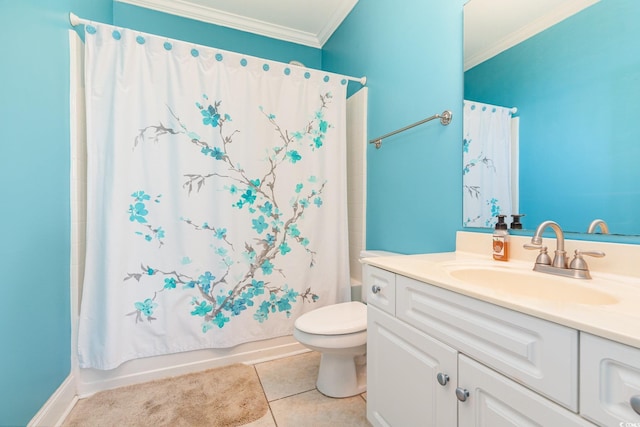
x: 294, y: 401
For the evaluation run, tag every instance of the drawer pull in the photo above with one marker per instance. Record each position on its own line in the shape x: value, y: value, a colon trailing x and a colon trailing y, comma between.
x: 462, y: 394
x: 375, y: 289
x: 443, y: 379
x: 635, y: 403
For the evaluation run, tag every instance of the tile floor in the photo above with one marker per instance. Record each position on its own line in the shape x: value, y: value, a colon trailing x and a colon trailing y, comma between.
x: 294, y: 401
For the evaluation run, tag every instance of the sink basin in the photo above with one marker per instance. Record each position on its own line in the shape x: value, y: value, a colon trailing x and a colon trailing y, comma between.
x: 533, y: 285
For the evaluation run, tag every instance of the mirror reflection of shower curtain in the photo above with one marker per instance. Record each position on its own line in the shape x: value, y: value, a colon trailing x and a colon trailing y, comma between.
x: 488, y: 168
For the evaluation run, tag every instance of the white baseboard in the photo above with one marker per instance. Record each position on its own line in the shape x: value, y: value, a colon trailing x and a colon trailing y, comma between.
x: 58, y: 406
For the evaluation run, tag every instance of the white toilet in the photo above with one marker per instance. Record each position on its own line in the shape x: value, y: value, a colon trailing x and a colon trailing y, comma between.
x: 339, y: 333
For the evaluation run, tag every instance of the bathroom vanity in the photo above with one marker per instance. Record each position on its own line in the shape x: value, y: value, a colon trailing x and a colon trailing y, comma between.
x: 445, y: 351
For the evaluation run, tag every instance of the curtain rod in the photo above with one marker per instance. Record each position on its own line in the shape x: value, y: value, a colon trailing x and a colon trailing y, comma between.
x: 445, y: 119
x: 75, y: 20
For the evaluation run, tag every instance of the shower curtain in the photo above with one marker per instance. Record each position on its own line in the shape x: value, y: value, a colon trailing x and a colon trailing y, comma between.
x: 486, y: 171
x: 216, y: 199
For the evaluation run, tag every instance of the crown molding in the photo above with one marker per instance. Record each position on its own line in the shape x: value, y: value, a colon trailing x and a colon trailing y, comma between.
x: 211, y: 15
x: 522, y: 34
x: 338, y: 16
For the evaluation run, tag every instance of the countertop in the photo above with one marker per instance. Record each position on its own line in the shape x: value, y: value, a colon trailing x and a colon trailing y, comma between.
x: 618, y: 321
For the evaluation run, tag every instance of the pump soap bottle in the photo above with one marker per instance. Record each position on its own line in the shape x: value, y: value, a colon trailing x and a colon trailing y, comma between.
x: 515, y: 223
x: 501, y: 240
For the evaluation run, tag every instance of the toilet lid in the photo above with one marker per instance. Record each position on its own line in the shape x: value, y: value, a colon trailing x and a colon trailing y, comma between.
x: 336, y: 319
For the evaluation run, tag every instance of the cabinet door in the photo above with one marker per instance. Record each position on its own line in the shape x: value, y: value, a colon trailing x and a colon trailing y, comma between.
x: 496, y: 401
x: 609, y: 381
x: 402, y: 375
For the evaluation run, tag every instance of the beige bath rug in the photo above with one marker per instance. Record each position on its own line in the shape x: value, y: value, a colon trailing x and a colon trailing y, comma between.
x: 221, y: 397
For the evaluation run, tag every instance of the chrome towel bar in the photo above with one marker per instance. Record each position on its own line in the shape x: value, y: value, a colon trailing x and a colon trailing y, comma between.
x: 445, y: 119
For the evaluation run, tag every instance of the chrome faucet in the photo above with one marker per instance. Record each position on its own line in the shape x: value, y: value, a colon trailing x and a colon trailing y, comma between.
x: 577, y: 269
x: 598, y: 222
x: 560, y: 256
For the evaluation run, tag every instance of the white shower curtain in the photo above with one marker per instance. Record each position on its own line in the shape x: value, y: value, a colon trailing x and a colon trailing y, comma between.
x: 216, y: 199
x: 486, y: 164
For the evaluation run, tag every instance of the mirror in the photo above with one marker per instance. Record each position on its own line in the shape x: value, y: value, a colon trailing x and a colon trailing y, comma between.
x: 576, y: 87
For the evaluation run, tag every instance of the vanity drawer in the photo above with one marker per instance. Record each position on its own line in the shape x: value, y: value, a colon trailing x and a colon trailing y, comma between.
x: 536, y: 353
x: 609, y: 379
x: 380, y: 288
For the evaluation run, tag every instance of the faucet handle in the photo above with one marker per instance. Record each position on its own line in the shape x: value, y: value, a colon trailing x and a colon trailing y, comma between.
x: 596, y: 254
x: 578, y: 263
x: 532, y: 246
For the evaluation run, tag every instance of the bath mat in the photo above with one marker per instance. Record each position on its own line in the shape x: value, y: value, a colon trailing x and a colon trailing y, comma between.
x: 223, y: 397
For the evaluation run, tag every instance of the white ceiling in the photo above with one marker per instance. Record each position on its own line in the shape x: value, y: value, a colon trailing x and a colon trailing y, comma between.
x: 493, y: 26
x: 490, y: 26
x: 298, y: 21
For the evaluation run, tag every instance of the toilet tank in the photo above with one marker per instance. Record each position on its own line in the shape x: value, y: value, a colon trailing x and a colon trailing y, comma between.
x: 369, y: 253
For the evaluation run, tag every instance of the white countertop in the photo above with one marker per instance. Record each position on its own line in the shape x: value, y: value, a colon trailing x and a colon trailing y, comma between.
x: 618, y: 321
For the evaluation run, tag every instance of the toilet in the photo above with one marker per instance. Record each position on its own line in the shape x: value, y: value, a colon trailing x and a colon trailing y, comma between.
x: 339, y: 333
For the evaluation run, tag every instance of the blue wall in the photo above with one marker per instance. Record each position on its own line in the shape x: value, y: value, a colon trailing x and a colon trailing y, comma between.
x: 578, y: 105
x: 411, y: 54
x: 35, y: 328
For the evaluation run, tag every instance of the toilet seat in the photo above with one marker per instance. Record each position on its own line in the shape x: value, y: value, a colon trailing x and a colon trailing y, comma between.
x: 336, y: 319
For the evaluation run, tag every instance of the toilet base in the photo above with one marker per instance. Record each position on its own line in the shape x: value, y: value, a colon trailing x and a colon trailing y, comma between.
x: 341, y: 376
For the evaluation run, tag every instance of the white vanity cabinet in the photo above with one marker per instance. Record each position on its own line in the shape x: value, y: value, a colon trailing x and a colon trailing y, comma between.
x: 443, y: 359
x: 609, y: 382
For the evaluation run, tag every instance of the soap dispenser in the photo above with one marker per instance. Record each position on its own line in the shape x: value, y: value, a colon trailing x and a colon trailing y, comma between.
x: 515, y: 222
x: 501, y: 240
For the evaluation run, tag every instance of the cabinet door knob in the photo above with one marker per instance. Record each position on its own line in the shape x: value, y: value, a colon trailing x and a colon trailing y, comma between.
x: 375, y: 289
x: 635, y: 403
x: 462, y: 394
x: 443, y: 379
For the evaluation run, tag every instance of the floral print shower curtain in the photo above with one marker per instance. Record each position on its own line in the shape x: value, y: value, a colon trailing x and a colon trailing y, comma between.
x: 216, y: 199
x: 486, y: 171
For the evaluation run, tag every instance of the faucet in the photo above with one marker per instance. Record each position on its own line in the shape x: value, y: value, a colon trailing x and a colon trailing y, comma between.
x: 577, y: 269
x: 560, y: 256
x: 598, y: 222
